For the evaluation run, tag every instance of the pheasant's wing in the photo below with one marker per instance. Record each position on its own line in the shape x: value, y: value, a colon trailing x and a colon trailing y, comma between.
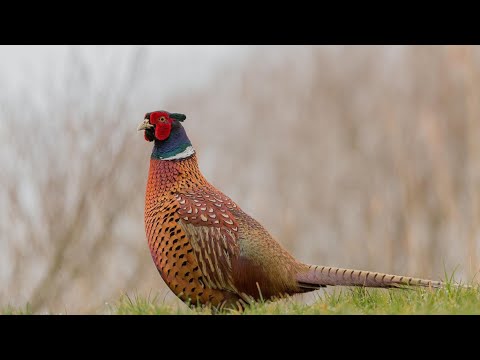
x: 206, y: 219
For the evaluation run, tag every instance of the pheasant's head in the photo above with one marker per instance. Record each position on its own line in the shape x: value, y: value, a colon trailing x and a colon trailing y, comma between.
x: 171, y: 141
x: 158, y: 124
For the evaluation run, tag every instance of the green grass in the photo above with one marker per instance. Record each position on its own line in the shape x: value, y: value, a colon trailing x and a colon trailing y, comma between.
x: 449, y: 300
x: 340, y: 301
x: 10, y: 310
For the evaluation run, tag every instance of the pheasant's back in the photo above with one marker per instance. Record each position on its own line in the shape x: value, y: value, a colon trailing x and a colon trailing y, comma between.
x: 170, y: 247
x: 204, y: 246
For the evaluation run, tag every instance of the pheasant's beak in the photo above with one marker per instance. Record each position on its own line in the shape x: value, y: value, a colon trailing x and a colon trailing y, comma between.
x: 144, y: 125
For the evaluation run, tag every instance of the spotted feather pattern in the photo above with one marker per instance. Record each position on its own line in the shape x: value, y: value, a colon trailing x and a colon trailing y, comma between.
x: 184, y: 261
x: 213, y: 233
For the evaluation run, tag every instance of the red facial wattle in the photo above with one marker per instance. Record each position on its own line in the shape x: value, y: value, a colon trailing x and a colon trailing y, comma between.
x: 162, y: 128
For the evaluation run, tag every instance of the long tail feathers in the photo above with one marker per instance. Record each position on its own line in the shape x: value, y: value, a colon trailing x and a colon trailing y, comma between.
x: 319, y: 276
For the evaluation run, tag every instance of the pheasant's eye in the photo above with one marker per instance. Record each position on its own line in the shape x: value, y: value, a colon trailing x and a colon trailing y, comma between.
x: 163, y: 119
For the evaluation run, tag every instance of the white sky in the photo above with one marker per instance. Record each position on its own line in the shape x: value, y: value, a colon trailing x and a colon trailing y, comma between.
x: 178, y: 65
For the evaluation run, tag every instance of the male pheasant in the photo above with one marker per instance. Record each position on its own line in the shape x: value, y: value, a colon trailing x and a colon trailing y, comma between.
x: 207, y: 249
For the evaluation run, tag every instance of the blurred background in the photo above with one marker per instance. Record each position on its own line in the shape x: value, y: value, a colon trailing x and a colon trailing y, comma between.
x: 354, y: 156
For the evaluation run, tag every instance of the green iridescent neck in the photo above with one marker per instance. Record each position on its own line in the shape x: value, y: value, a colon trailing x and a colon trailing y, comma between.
x: 176, y: 146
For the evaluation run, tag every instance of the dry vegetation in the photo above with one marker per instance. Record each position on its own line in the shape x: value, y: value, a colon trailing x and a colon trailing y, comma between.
x: 363, y: 157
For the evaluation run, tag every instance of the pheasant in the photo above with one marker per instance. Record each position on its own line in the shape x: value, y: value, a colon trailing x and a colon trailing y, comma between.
x: 210, y: 252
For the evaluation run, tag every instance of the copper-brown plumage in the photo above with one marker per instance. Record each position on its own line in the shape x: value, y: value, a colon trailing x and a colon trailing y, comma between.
x: 207, y: 250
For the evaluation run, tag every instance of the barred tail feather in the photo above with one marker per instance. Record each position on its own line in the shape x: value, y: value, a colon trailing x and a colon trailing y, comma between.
x: 325, y: 275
